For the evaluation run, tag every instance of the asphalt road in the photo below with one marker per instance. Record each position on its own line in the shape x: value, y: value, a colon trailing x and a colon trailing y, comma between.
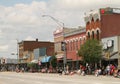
x: 43, y: 78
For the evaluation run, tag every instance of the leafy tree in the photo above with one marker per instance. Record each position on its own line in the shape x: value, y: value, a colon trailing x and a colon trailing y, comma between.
x: 91, y: 51
x: 31, y: 65
x: 53, y: 61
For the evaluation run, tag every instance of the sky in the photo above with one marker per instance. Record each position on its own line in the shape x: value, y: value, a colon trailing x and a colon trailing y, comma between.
x: 22, y: 19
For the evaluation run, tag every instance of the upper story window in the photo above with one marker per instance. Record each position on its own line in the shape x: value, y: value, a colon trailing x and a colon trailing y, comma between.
x: 88, y: 35
x: 93, y: 36
x: 76, y: 44
x: 98, y: 35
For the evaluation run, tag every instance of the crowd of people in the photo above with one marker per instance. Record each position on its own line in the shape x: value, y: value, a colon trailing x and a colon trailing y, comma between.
x: 110, y: 70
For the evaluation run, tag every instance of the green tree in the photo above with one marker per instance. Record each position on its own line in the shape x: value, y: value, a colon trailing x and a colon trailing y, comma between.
x: 91, y: 51
x: 31, y: 65
x: 53, y: 61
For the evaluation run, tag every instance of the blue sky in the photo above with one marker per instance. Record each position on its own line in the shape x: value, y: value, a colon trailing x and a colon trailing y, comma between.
x: 22, y: 19
x: 13, y: 2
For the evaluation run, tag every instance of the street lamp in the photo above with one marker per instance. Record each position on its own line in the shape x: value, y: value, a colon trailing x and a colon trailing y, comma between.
x: 17, y: 51
x: 61, y: 24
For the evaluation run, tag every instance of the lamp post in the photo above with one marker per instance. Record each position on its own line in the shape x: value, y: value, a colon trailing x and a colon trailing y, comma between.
x: 17, y: 51
x: 119, y: 53
x: 61, y: 24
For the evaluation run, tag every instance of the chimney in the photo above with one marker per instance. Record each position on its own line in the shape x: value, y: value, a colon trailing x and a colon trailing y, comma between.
x: 37, y: 39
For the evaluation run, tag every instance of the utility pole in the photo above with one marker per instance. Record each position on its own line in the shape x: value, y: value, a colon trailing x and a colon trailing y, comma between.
x: 17, y: 52
x: 119, y: 52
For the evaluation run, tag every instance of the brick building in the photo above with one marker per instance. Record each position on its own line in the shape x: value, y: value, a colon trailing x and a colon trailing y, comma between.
x: 58, y: 38
x: 26, y: 49
x: 74, y: 39
x: 103, y: 24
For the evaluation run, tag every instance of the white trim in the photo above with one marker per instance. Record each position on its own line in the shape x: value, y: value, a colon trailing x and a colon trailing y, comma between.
x: 71, y: 40
x: 98, y: 30
x: 81, y: 38
x: 84, y: 37
x: 88, y: 31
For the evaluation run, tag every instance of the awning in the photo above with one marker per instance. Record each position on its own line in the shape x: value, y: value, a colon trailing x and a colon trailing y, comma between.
x: 34, y: 61
x: 45, y: 59
x: 114, y: 56
x: 59, y: 56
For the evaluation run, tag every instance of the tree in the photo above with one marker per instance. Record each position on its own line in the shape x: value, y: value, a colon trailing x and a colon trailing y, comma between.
x: 91, y: 51
x: 31, y: 65
x: 53, y: 61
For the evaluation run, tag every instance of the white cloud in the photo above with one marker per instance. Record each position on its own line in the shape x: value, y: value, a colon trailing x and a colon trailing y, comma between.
x: 29, y: 38
x: 3, y: 47
x: 84, y: 4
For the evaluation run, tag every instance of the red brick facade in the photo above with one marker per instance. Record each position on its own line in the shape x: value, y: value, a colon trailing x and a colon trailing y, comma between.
x: 73, y: 43
x: 93, y: 25
x: 102, y: 23
x: 110, y: 25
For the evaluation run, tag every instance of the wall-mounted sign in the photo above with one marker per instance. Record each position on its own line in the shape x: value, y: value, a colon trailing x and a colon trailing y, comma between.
x: 108, y: 44
x: 116, y: 10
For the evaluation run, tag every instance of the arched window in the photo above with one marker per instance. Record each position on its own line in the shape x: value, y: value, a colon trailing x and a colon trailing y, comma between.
x: 84, y: 39
x: 88, y: 35
x: 73, y: 45
x: 92, y: 34
x: 80, y: 41
x: 67, y: 46
x: 76, y: 44
x: 97, y: 20
x: 70, y: 46
x: 98, y: 35
x: 92, y: 19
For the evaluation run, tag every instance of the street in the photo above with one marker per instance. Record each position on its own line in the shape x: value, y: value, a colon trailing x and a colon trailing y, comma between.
x: 45, y: 78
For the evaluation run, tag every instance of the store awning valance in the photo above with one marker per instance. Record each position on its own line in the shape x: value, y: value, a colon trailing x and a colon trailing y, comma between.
x: 59, y: 56
x: 45, y: 59
x: 114, y: 56
x: 34, y: 61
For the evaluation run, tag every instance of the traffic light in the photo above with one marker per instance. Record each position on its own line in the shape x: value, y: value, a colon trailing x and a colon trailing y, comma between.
x: 62, y: 46
x: 107, y: 55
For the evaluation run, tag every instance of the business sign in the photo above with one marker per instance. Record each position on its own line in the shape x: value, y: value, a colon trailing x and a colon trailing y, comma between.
x: 116, y: 10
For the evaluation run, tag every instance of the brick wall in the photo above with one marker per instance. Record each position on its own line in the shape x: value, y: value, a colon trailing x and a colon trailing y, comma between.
x: 110, y: 25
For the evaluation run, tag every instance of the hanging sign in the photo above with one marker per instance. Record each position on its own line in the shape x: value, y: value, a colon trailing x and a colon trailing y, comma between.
x: 116, y: 10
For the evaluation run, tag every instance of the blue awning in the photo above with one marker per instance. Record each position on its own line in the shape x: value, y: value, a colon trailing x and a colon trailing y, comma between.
x: 45, y: 59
